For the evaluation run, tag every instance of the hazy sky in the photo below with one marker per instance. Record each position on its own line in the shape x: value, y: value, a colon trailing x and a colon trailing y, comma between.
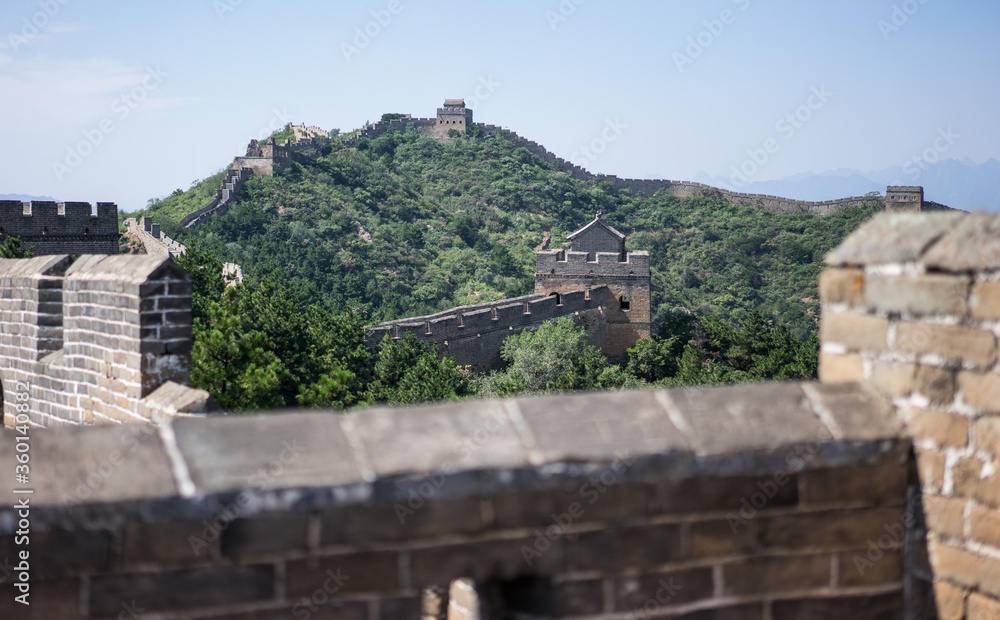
x: 125, y: 101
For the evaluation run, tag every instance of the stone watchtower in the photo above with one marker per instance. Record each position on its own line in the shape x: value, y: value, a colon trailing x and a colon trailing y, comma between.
x: 454, y: 115
x: 596, y: 259
x: 900, y: 198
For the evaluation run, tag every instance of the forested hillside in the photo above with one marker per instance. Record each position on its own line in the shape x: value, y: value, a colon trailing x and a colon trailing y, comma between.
x: 406, y: 225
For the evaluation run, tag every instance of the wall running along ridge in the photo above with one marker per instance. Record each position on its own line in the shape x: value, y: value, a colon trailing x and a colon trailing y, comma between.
x: 872, y: 494
x: 61, y: 227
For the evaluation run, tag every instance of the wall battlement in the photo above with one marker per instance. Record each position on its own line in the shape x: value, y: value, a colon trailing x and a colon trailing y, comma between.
x: 474, y: 335
x: 92, y: 340
x: 61, y: 227
x: 561, y: 262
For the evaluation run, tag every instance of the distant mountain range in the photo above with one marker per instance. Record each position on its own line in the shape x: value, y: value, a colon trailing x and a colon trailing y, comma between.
x: 961, y: 184
x: 25, y: 197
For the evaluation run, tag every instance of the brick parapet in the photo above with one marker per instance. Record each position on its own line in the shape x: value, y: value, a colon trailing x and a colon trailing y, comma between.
x: 762, y: 514
x: 911, y: 306
x: 91, y: 339
x: 61, y: 227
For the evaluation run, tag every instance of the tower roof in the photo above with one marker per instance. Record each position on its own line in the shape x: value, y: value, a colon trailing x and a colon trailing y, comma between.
x: 454, y: 102
x: 597, y: 222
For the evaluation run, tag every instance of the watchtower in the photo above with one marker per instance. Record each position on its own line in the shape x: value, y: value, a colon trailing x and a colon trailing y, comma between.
x: 598, y: 258
x: 903, y: 198
x: 61, y: 227
x: 453, y: 115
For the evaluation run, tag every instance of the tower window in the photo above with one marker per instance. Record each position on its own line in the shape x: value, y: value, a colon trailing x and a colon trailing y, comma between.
x: 558, y: 298
x: 625, y: 303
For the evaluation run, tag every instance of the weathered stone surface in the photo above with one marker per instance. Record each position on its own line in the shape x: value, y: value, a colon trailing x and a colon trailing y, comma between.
x: 840, y: 607
x: 841, y: 286
x: 895, y: 379
x: 981, y: 390
x: 950, y: 601
x: 984, y: 525
x: 892, y: 238
x: 857, y: 332
x: 953, y: 342
x: 971, y: 244
x: 344, y: 574
x: 927, y: 294
x: 835, y: 528
x: 981, y: 606
x: 278, y: 451
x: 985, y: 301
x: 95, y: 464
x: 604, y: 426
x: 747, y: 418
x: 855, y: 572
x: 180, y: 590
x: 617, y: 549
x: 875, y: 486
x: 945, y: 515
x: 841, y: 368
x: 457, y: 436
x: 689, y: 585
x: 776, y: 574
x: 944, y: 429
x: 966, y: 568
x: 859, y: 414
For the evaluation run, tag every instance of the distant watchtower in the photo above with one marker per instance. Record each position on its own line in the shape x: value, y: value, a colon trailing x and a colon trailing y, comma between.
x: 900, y: 198
x: 598, y: 258
x: 454, y: 115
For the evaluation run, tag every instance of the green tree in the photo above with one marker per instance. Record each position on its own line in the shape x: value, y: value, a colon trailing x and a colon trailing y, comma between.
x: 407, y: 372
x: 11, y: 248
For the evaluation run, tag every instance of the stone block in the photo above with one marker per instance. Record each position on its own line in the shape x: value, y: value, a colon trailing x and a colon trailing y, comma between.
x: 987, y: 435
x: 944, y: 429
x: 488, y: 560
x: 983, y: 607
x: 265, y: 535
x: 50, y: 600
x: 374, y: 572
x: 419, y: 516
x: 587, y: 502
x: 859, y: 569
x: 772, y: 575
x: 832, y: 529
x: 180, y: 590
x: 59, y: 554
x: 895, y: 379
x: 966, y: 568
x: 837, y: 368
x: 858, y: 412
x: 892, y: 239
x: 604, y: 426
x: 718, y: 493
x: 883, y: 485
x: 985, y: 301
x: 857, y: 332
x: 464, y: 438
x: 945, y: 515
x: 950, y: 601
x: 747, y: 418
x: 984, y: 525
x: 677, y: 587
x: 719, y: 538
x: 297, y: 450
x: 618, y: 549
x: 937, y: 384
x: 169, y: 544
x: 981, y: 390
x: 926, y: 294
x: 970, y: 245
x: 839, y: 607
x: 971, y: 483
x: 955, y: 343
x: 841, y: 286
x: 579, y: 598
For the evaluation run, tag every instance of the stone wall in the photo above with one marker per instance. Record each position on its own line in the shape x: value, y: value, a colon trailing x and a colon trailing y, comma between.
x: 152, y: 239
x: 93, y: 340
x: 474, y: 335
x: 232, y: 183
x: 748, y: 502
x: 61, y: 227
x: 911, y: 307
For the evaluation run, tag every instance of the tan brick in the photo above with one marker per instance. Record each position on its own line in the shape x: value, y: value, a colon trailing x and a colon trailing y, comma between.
x: 969, y: 483
x: 987, y: 435
x: 950, y: 601
x: 840, y: 368
x: 937, y: 384
x: 922, y: 294
x: 841, y: 286
x: 945, y: 515
x: 857, y: 332
x: 982, y: 391
x: 983, y: 607
x: 944, y: 429
x: 894, y: 378
x: 953, y: 342
x: 984, y: 525
x: 930, y: 467
x: 967, y: 568
x: 985, y: 302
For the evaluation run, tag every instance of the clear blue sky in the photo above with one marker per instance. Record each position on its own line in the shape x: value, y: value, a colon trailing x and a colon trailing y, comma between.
x: 208, y: 75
